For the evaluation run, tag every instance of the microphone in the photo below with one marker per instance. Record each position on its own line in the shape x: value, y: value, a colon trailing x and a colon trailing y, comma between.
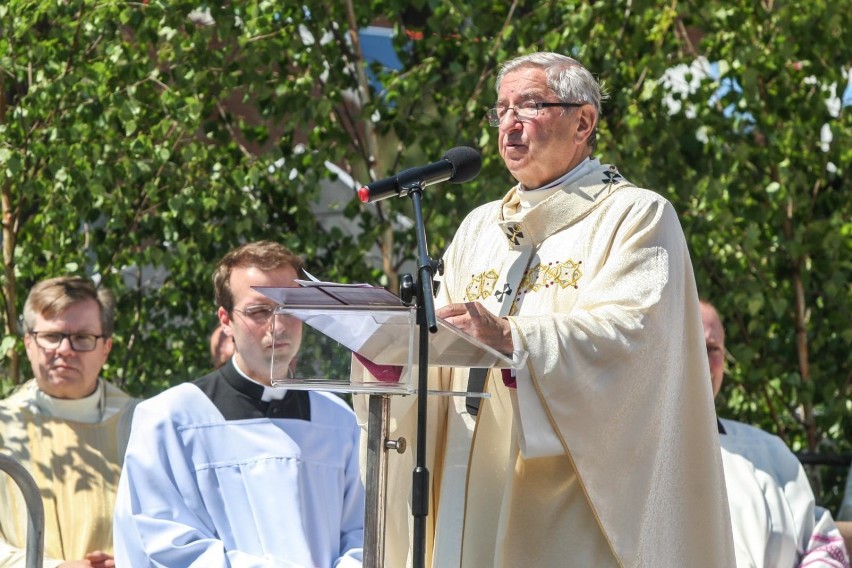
x: 458, y: 165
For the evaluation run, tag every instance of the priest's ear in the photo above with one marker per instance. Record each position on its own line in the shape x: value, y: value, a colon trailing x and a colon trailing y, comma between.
x: 586, y: 119
x: 225, y: 320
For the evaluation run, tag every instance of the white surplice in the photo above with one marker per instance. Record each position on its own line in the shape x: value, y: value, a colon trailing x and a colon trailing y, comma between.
x: 217, y: 476
x: 776, y: 522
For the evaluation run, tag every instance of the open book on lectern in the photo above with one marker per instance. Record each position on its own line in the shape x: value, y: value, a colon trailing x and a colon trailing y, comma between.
x: 370, y: 321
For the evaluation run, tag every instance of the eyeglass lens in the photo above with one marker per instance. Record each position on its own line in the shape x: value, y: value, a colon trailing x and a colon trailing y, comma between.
x: 258, y: 314
x: 523, y: 111
x: 79, y: 341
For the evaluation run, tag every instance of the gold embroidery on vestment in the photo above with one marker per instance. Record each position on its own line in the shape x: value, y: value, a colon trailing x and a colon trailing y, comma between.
x: 564, y: 274
x: 481, y: 286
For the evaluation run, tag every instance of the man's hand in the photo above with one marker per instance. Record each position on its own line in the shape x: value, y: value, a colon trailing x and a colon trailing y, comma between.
x: 96, y: 559
x: 474, y: 319
x: 100, y: 559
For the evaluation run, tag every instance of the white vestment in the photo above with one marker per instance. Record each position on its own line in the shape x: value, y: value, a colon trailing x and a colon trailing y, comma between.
x: 606, y: 453
x: 775, y: 519
x: 214, y: 476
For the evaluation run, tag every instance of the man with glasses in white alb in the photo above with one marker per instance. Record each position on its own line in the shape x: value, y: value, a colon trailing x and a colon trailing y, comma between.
x: 67, y: 427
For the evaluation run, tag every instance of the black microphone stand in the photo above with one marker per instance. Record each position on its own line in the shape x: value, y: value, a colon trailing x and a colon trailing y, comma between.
x: 427, y: 323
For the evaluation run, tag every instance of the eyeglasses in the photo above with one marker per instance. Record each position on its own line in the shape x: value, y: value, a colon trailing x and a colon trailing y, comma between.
x: 524, y: 112
x: 82, y: 342
x: 257, y: 314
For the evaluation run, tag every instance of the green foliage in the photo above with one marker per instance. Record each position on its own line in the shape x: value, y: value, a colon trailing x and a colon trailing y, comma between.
x: 140, y: 144
x: 140, y: 141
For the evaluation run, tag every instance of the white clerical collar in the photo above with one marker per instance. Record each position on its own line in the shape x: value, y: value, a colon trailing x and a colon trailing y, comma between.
x: 88, y: 409
x: 269, y: 393
x: 529, y: 198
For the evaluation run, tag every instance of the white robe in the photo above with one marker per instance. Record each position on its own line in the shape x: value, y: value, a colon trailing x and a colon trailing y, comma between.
x: 775, y: 519
x: 205, y: 490
x: 608, y: 446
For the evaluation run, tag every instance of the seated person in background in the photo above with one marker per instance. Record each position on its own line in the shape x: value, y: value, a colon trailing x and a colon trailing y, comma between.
x: 221, y: 347
x: 67, y: 427
x: 228, y: 471
x: 773, y: 512
x: 844, y: 516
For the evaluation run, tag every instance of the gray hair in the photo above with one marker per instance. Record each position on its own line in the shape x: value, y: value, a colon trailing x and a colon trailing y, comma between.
x: 566, y: 77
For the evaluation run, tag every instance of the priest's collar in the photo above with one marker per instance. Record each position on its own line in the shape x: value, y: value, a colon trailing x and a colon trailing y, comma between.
x: 574, y: 174
x: 529, y: 198
x: 579, y: 192
x: 239, y: 398
x: 88, y: 409
x: 266, y: 395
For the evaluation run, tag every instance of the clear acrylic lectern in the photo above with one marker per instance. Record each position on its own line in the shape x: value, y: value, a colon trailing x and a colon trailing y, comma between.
x: 321, y: 327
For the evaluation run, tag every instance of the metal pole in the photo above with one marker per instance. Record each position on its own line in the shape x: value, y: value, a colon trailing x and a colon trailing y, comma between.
x: 428, y: 323
x: 35, y: 509
x: 378, y: 445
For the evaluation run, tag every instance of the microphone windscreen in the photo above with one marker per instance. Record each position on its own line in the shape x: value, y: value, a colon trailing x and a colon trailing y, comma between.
x: 466, y: 163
